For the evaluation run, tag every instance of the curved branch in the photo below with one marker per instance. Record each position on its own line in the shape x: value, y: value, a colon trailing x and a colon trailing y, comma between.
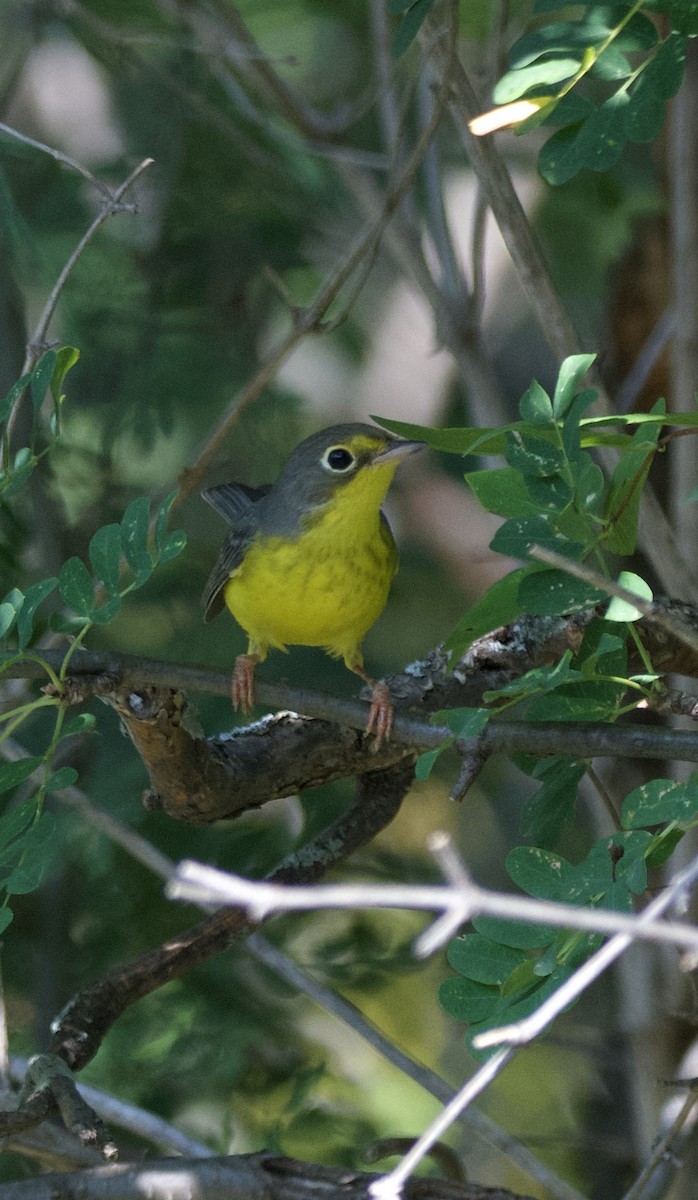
x: 80, y: 1027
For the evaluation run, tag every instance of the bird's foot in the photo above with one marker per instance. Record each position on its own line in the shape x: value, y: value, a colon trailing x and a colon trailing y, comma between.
x: 381, y: 713
x: 242, y: 683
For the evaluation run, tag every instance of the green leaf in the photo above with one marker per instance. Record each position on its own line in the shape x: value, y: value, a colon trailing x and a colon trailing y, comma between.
x: 517, y: 536
x: 684, y: 17
x: 60, y: 623
x: 14, y: 773
x: 464, y: 722
x: 41, y: 377
x: 662, y: 847
x: 458, y: 440
x: 466, y: 1000
x: 539, y: 76
x: 545, y: 678
x: 173, y: 546
x: 621, y: 610
x: 410, y: 25
x: 658, y: 801
x: 558, y: 160
x: 598, y: 878
x: 540, y: 873
x: 498, y: 606
x: 134, y: 538
x: 589, y: 485
x: 502, y: 491
x: 533, y: 456
x: 535, y: 405
x: 521, y: 1003
x: 622, y: 505
x: 632, y: 866
x: 83, y: 723
x: 33, y: 597
x: 167, y: 546
x: 107, y: 611
x: 160, y: 531
x: 16, y: 819
x: 591, y: 701
x: 549, y: 592
x: 612, y: 65
x: 38, y: 849
x: 66, y: 359
x: 571, y: 109
x: 485, y: 961
x: 62, y: 778
x: 425, y: 762
x: 6, y: 915
x: 77, y: 587
x: 570, y: 375
x: 7, y: 616
x: 561, y: 37
x: 8, y: 401
x: 105, y: 556
x: 645, y: 113
x: 22, y: 468
x: 522, y: 935
x: 602, y: 137
x: 545, y: 814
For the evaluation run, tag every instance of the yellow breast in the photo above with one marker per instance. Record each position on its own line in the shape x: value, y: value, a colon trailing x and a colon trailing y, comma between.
x: 325, y: 587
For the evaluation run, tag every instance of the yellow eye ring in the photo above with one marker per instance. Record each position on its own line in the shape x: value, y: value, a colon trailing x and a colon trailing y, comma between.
x: 339, y: 460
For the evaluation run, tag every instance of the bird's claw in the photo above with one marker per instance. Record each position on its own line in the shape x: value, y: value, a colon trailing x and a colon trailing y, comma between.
x: 381, y: 714
x: 242, y: 683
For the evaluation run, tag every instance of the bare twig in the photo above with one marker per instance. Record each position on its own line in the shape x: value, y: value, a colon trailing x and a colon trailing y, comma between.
x: 129, y: 1117
x: 662, y: 1151
x: 198, y: 883
x: 309, y: 320
x: 347, y: 1012
x: 111, y: 204
x: 60, y: 157
x: 48, y: 1078
x: 524, y: 1031
x: 530, y: 1027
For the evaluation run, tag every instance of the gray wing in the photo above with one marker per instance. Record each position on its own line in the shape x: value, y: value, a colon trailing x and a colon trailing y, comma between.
x: 229, y: 558
x: 234, y: 502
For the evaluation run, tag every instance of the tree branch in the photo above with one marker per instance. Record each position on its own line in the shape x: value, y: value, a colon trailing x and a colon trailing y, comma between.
x: 240, y: 1177
x: 80, y: 1027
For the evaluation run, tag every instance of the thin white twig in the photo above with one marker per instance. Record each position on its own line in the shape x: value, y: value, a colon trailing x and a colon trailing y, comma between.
x: 391, y: 1185
x: 524, y: 1031
x: 475, y: 1121
x: 529, y: 1028
x: 198, y: 883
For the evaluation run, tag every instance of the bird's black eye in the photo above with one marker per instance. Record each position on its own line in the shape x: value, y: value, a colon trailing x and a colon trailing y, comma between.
x: 338, y: 459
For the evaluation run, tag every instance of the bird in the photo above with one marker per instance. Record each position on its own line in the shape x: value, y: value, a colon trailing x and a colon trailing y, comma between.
x: 309, y: 559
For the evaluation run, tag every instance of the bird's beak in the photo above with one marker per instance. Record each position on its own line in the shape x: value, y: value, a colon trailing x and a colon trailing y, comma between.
x: 397, y: 450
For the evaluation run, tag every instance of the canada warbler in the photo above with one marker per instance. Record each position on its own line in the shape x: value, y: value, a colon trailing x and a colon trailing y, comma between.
x: 308, y: 560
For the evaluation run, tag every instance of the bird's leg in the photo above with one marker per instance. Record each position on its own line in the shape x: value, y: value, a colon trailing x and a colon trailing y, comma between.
x: 242, y: 683
x: 381, y: 712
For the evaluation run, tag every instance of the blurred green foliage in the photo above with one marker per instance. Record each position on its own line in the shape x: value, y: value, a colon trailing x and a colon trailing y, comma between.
x: 172, y: 310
